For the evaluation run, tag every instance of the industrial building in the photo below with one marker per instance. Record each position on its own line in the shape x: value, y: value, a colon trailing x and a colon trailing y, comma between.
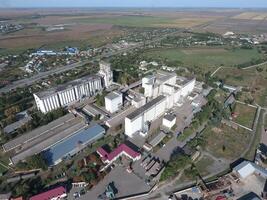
x: 44, y: 137
x: 113, y: 101
x: 73, y: 91
x: 22, y: 119
x: 106, y: 73
x: 66, y: 94
x: 73, y: 144
x: 137, y: 120
x: 169, y: 121
x: 163, y: 91
x: 247, y: 168
x: 122, y: 149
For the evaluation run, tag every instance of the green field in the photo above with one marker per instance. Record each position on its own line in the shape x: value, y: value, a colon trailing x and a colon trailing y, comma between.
x: 245, y: 115
x: 134, y: 21
x: 205, y: 56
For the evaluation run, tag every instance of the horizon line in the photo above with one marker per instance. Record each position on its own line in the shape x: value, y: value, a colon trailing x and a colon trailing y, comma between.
x: 130, y: 7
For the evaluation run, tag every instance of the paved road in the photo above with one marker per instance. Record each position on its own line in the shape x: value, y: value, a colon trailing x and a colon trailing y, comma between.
x: 38, y: 77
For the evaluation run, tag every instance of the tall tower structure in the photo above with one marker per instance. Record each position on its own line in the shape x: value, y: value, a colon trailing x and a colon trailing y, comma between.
x: 106, y: 72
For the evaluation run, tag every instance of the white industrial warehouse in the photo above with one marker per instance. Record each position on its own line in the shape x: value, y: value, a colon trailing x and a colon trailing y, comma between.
x: 163, y: 91
x: 113, y: 101
x: 74, y: 91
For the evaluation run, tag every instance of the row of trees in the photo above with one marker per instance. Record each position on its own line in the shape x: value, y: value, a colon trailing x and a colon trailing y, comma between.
x: 33, y: 162
x: 14, y: 102
x: 38, y: 119
x: 173, y: 167
x: 100, y: 98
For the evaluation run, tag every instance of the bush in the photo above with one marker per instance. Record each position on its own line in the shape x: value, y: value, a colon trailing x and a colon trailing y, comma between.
x: 172, y: 168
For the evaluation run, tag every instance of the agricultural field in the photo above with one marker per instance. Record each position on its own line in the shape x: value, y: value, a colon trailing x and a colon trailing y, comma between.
x: 144, y: 21
x: 205, y: 56
x: 224, y: 142
x: 251, y: 16
x: 95, y: 35
x: 245, y: 115
x: 87, y: 26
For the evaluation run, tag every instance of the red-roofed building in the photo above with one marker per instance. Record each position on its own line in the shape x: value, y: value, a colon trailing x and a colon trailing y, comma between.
x: 54, y: 194
x: 122, y: 149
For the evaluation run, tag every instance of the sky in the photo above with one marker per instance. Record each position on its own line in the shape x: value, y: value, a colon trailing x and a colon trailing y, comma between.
x: 135, y: 3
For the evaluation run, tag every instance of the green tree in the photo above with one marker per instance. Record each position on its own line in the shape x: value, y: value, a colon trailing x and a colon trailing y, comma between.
x: 176, y: 163
x: 36, y: 161
x: 88, y: 176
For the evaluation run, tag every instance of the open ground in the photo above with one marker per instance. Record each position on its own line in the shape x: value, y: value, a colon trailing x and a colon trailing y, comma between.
x: 205, y: 56
x: 88, y: 25
x: 245, y: 114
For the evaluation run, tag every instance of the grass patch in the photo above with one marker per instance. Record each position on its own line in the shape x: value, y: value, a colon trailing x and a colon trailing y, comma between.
x: 245, y: 115
x: 185, y: 134
x: 225, y: 142
x: 142, y: 21
x: 203, y: 164
x: 208, y: 56
x: 253, y: 80
x: 134, y: 21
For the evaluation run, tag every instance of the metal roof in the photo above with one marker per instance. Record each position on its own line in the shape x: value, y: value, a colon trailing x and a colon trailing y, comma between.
x: 73, y: 144
x: 68, y: 85
x: 170, y: 117
x: 14, y: 126
x: 27, y: 137
x: 113, y: 95
x: 146, y: 107
x: 156, y: 140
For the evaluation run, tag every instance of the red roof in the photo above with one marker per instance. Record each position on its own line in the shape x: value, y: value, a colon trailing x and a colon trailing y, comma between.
x: 49, y: 194
x: 121, y: 148
x: 221, y: 198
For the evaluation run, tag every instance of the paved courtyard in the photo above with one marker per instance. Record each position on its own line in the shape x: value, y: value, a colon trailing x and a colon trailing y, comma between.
x: 126, y: 184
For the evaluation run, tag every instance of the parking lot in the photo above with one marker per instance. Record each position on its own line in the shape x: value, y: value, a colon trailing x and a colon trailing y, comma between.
x: 126, y: 184
x: 184, y: 116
